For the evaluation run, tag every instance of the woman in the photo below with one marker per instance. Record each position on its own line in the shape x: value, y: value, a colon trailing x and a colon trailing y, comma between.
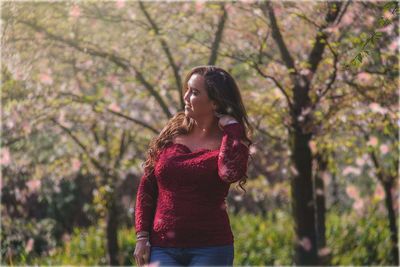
x: 180, y: 214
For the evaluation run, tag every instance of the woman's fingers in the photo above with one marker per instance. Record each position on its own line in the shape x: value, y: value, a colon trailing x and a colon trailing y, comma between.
x: 140, y: 257
x: 146, y: 255
x: 141, y: 261
x: 145, y: 258
x: 142, y: 254
x: 138, y: 261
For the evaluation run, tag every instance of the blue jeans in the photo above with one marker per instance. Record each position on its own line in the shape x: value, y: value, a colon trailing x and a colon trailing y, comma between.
x: 199, y: 256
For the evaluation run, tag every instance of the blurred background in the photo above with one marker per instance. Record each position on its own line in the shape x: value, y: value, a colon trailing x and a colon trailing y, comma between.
x: 87, y: 84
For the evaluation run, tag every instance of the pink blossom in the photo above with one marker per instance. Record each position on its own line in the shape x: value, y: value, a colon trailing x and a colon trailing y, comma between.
x: 375, y: 107
x: 45, y: 79
x: 360, y: 161
x: 98, y: 150
x: 252, y: 150
x: 313, y: 146
x: 76, y: 164
x: 33, y: 185
x: 379, y: 192
x: 305, y: 242
x: 393, y: 46
x: 238, y: 198
x: 75, y: 11
x: 26, y: 127
x: 352, y: 192
x: 5, y: 156
x: 305, y: 71
x: 358, y: 205
x: 373, y: 141
x: 229, y: 7
x: 319, y: 192
x: 324, y: 251
x: 87, y: 63
x: 29, y: 245
x: 186, y: 6
x: 278, y: 10
x: 293, y: 170
x: 370, y: 20
x: 199, y: 4
x: 351, y: 170
x: 120, y: 3
x: 57, y: 189
x: 347, y: 19
x: 326, y: 177
x: 114, y: 107
x: 332, y: 29
x: 364, y: 78
x: 384, y: 149
x: 113, y: 78
x: 387, y: 29
x: 107, y: 92
x: 387, y: 14
x: 66, y: 237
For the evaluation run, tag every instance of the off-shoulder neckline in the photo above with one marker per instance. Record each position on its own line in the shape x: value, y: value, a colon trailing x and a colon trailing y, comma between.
x: 196, y: 151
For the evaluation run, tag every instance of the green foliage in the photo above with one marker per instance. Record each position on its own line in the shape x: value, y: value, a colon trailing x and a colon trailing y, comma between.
x: 85, y: 247
x: 20, y: 233
x: 352, y: 238
x: 356, y: 240
x: 366, y: 42
x: 263, y: 241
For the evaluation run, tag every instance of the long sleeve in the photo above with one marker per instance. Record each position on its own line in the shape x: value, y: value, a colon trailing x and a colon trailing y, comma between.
x: 146, y: 202
x: 233, y: 155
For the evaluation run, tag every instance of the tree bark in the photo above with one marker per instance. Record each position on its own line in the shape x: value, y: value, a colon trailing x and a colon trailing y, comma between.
x: 392, y: 222
x: 303, y: 203
x: 112, y: 233
x: 319, y: 193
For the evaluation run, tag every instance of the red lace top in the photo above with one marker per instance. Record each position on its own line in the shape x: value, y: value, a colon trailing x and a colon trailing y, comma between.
x: 182, y: 202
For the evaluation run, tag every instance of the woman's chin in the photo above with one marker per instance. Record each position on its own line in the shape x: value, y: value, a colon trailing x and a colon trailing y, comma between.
x: 189, y: 114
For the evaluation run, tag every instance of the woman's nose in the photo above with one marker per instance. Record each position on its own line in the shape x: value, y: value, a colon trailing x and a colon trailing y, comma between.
x: 186, y: 97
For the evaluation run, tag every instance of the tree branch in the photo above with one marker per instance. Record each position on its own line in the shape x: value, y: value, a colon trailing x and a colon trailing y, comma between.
x: 218, y: 36
x: 167, y: 51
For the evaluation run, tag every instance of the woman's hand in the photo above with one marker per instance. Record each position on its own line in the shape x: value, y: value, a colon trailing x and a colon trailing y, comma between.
x: 142, y: 252
x: 223, y: 119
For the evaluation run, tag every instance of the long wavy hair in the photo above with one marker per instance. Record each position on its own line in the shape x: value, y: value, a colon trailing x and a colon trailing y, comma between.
x: 220, y: 87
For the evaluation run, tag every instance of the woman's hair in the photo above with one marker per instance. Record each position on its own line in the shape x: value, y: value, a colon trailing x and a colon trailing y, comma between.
x: 221, y: 88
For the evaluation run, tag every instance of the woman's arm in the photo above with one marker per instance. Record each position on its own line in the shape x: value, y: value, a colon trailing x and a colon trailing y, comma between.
x: 234, y: 154
x: 146, y: 202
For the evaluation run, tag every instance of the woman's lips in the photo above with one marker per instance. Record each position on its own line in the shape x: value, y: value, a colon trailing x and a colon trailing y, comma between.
x: 186, y: 106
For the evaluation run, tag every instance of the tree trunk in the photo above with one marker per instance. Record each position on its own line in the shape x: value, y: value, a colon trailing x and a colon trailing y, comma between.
x: 335, y: 190
x: 112, y: 237
x: 320, y: 207
x: 392, y: 222
x: 303, y: 203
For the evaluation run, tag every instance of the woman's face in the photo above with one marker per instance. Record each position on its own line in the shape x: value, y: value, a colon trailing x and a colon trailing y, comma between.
x: 198, y: 105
